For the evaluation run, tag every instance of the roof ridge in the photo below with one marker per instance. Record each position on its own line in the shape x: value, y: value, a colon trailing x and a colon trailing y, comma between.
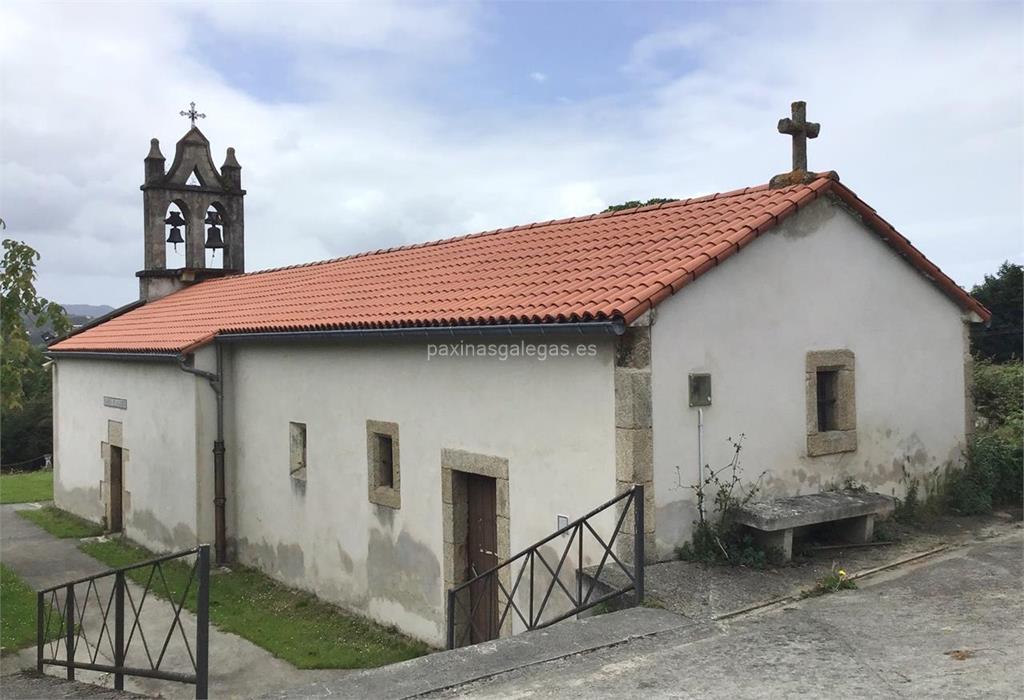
x: 509, y: 229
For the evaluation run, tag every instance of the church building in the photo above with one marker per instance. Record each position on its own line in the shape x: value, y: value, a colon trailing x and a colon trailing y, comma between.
x: 344, y: 425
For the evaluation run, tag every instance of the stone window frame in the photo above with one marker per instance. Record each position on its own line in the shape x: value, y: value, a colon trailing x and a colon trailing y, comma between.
x: 382, y: 494
x: 298, y: 464
x: 455, y: 518
x: 844, y: 438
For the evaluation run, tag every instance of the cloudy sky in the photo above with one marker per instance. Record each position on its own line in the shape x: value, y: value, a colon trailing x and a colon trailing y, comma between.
x: 361, y: 126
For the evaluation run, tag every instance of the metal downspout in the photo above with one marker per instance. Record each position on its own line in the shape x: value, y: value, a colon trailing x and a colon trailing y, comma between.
x: 219, y: 495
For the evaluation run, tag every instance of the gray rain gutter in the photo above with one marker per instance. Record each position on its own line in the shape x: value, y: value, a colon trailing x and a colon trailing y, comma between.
x: 126, y: 356
x: 612, y: 327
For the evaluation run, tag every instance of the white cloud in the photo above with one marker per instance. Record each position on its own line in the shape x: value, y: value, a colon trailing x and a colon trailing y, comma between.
x: 538, y: 77
x: 920, y: 109
x: 384, y: 25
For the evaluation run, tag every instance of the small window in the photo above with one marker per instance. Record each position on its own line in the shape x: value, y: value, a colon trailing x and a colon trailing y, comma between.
x: 383, y: 459
x: 828, y: 392
x: 297, y: 450
x: 831, y: 403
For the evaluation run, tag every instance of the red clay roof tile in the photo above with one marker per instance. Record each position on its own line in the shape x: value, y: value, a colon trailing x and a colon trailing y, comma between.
x: 610, y: 265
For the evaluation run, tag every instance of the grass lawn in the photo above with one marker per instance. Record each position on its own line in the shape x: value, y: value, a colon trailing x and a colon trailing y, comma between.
x: 61, y: 523
x: 28, y: 487
x: 292, y: 625
x: 18, y: 614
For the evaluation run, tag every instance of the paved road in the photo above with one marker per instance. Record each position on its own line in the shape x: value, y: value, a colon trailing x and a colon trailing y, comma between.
x: 894, y: 637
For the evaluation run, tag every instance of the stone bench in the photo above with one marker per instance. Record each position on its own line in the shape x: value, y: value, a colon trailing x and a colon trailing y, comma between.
x: 774, y: 521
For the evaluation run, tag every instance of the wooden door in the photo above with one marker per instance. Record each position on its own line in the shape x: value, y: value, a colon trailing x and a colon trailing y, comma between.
x: 482, y: 546
x: 116, y: 489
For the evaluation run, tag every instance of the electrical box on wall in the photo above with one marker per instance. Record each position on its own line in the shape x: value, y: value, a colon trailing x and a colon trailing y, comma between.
x: 700, y: 390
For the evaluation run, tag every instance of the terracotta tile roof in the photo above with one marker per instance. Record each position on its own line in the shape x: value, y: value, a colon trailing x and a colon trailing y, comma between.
x: 599, y: 267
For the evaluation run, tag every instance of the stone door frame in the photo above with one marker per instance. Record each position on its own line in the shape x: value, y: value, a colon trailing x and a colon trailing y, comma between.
x: 115, y: 438
x: 455, y: 514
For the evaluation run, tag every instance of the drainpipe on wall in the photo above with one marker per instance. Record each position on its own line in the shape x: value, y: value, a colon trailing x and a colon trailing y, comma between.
x: 219, y: 497
x: 700, y: 445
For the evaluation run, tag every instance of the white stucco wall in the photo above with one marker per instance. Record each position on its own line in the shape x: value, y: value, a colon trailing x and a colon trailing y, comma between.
x: 821, y: 281
x: 159, y: 439
x: 552, y: 420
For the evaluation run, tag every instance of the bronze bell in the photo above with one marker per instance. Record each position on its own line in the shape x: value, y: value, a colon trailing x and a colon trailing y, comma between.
x: 175, y: 221
x: 213, y: 238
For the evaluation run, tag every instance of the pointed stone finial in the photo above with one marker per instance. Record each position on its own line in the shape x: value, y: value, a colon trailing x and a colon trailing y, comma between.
x: 154, y: 162
x: 154, y: 150
x: 230, y: 161
x: 231, y: 171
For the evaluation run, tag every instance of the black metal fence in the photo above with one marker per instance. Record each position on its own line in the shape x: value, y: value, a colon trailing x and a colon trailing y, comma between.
x: 480, y: 608
x: 78, y: 612
x: 29, y: 465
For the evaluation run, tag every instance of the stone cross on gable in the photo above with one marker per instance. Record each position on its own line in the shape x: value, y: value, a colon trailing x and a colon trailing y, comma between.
x: 192, y: 114
x: 800, y: 129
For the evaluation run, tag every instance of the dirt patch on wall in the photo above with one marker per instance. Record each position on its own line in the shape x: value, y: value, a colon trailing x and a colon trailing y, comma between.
x: 154, y: 531
x: 83, y: 502
x: 404, y: 571
x: 283, y: 561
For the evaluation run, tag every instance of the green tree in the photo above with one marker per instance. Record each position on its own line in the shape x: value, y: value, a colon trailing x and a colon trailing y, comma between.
x: 633, y: 204
x: 1003, y: 294
x: 22, y: 364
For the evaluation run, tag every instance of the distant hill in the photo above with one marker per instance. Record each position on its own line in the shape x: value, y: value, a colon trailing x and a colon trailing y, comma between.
x: 87, y: 310
x: 78, y: 314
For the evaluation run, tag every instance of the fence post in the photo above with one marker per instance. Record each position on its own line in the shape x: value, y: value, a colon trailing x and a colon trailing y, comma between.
x: 119, y: 629
x: 69, y: 633
x: 638, y: 543
x: 40, y: 629
x: 451, y: 618
x: 203, y: 624
x: 579, y: 572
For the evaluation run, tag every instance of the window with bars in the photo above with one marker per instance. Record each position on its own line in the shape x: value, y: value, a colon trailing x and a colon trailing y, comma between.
x: 297, y: 450
x: 831, y: 402
x: 385, y: 459
x: 384, y: 471
x: 828, y: 395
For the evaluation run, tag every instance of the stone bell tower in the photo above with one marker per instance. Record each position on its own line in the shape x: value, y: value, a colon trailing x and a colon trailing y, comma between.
x: 195, y: 208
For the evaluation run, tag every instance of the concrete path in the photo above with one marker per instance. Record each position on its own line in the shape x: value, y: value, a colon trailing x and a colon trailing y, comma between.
x: 238, y: 668
x: 26, y: 685
x: 949, y: 626
x: 456, y: 668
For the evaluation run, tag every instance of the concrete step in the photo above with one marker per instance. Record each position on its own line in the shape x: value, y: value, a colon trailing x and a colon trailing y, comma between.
x: 449, y: 669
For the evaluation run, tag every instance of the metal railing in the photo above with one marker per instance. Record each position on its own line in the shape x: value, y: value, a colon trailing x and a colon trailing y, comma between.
x: 521, y: 571
x: 74, y: 611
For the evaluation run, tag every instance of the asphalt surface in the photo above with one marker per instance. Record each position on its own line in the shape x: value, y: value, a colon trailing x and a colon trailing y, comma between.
x: 950, y: 626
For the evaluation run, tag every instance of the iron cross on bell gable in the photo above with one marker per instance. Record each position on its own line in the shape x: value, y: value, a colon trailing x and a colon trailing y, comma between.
x: 800, y: 129
x: 192, y: 114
